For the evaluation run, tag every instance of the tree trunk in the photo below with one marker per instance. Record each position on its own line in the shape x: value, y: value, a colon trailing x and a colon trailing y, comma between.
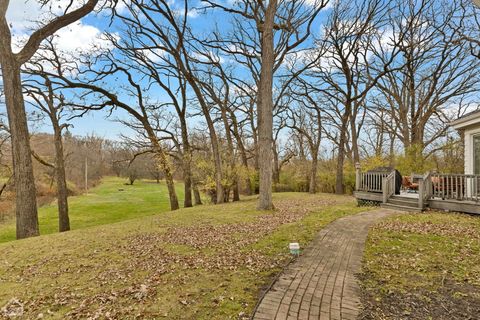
x: 312, y: 188
x: 25, y: 191
x: 226, y: 196
x: 236, y: 192
x: 265, y: 110
x: 276, y: 166
x: 196, y: 195
x: 248, y: 184
x: 187, y: 180
x: 231, y: 151
x: 391, y: 152
x: 62, y: 189
x: 218, y: 165
x: 243, y: 152
x: 187, y: 161
x: 212, y: 132
x: 251, y: 114
x: 163, y: 163
x: 170, y: 184
x: 353, y: 129
x: 4, y: 186
x: 339, y: 187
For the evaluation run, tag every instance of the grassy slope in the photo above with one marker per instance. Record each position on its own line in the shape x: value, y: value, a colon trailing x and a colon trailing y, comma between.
x: 422, y: 254
x: 207, y: 262
x: 104, y: 204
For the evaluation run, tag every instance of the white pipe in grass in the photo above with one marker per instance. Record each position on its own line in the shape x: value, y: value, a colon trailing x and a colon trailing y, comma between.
x: 294, y: 248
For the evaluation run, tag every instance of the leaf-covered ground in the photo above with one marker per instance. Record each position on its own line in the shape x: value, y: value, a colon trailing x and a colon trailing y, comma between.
x: 207, y: 262
x: 423, y: 266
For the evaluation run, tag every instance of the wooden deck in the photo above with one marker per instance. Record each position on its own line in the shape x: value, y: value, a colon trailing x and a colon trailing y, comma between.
x: 454, y: 192
x: 435, y: 203
x: 455, y: 205
x: 369, y: 196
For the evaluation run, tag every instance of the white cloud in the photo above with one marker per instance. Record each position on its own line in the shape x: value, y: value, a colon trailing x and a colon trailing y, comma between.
x: 317, y: 3
x: 24, y: 16
x: 209, y: 56
x: 154, y: 55
x: 385, y: 41
x: 191, y: 13
x: 79, y: 37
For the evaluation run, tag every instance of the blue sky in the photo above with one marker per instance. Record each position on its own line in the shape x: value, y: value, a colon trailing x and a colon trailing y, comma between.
x: 22, y: 15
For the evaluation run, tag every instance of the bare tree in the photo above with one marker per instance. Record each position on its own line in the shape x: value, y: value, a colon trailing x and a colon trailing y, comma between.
x: 467, y: 21
x: 265, y: 108
x: 347, y: 70
x: 172, y: 37
x: 160, y: 68
x: 242, y: 116
x: 265, y: 33
x: 10, y: 62
x: 90, y: 80
x: 281, y: 156
x: 376, y: 134
x: 306, y: 119
x: 436, y: 77
x: 52, y: 104
x: 214, y: 81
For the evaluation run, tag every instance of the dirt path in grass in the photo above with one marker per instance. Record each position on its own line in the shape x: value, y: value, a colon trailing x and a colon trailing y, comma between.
x: 321, y: 283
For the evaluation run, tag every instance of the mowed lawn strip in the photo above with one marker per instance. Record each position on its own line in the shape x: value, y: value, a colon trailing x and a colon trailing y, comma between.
x: 103, y: 204
x: 207, y: 262
x: 423, y: 265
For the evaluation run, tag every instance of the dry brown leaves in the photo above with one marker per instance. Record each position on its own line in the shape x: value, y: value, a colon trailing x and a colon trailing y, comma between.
x: 427, y: 227
x: 225, y: 243
x: 214, y: 248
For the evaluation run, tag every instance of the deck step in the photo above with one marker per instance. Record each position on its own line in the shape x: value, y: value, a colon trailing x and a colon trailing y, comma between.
x: 404, y: 202
x: 400, y: 208
x: 399, y: 197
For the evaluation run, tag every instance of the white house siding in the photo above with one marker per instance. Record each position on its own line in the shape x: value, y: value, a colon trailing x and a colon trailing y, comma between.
x: 469, y: 157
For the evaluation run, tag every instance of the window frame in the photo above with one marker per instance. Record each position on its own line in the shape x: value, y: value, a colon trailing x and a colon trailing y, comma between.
x: 476, y: 157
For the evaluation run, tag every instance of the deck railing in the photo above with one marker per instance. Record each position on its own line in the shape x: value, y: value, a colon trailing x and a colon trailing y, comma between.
x: 456, y: 186
x: 424, y: 190
x: 371, y: 181
x: 388, y: 184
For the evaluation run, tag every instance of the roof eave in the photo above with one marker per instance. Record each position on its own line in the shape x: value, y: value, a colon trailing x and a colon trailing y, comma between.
x: 466, y: 122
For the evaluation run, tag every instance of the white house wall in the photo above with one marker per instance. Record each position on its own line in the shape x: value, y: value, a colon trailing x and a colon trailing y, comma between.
x: 469, y: 149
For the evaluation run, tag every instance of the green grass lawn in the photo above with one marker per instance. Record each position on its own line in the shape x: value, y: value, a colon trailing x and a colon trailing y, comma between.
x: 423, y: 266
x: 206, y: 262
x: 104, y: 204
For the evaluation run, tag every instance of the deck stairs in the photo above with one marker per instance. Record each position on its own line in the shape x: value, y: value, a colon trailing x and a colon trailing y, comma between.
x: 402, y: 203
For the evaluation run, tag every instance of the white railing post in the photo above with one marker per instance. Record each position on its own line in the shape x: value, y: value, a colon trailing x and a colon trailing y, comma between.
x: 384, y: 189
x: 429, y: 186
x: 358, y: 176
x: 421, y: 191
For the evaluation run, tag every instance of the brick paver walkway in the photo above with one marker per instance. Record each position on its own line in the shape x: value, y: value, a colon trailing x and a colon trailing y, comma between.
x: 321, y: 283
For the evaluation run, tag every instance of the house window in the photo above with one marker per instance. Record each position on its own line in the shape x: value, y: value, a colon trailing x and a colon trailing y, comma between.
x: 476, y: 154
